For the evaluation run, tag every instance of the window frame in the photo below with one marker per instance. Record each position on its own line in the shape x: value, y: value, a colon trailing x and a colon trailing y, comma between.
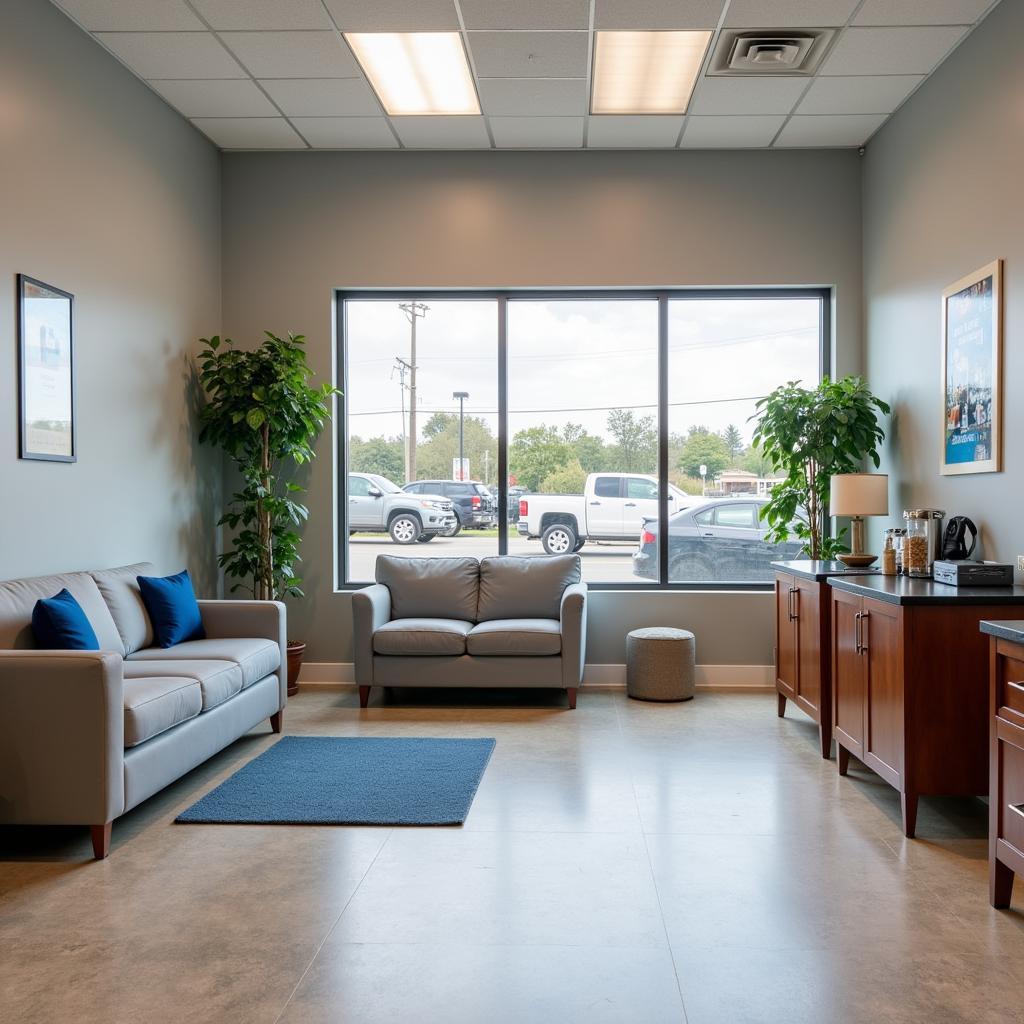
x: 501, y: 298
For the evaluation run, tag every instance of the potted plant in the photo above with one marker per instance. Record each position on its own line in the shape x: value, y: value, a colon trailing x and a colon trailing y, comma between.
x: 807, y: 436
x: 262, y: 410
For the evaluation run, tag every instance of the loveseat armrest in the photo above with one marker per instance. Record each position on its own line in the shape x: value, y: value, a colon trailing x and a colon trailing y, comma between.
x: 61, y: 737
x: 264, y: 620
x: 573, y: 620
x: 371, y: 609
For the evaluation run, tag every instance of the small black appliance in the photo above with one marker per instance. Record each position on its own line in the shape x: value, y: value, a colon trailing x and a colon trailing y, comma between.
x: 954, y: 544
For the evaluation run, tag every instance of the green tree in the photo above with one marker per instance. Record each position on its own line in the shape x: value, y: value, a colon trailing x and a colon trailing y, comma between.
x: 570, y: 479
x: 536, y: 453
x: 733, y: 441
x: 590, y: 450
x: 384, y: 456
x: 435, y: 455
x: 755, y: 461
x: 636, y: 442
x: 704, y: 449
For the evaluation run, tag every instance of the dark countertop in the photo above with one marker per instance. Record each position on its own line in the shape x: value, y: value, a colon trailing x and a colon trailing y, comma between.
x: 1009, y: 629
x: 818, y: 571
x: 905, y: 590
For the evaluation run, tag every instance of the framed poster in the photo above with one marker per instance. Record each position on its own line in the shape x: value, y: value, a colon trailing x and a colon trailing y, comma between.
x: 972, y: 349
x: 46, y: 369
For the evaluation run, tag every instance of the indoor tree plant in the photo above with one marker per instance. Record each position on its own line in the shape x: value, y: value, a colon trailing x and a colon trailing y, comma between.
x: 807, y: 436
x: 262, y: 410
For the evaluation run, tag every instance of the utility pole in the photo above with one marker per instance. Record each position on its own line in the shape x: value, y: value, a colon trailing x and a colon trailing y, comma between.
x: 413, y: 311
x: 487, y: 465
x: 402, y: 368
x: 461, y: 396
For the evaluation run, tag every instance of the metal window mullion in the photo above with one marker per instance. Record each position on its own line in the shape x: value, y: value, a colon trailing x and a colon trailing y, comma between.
x: 502, y: 425
x: 662, y: 439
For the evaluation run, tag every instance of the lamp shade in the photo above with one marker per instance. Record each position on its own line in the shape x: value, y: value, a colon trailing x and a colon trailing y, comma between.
x: 859, y: 494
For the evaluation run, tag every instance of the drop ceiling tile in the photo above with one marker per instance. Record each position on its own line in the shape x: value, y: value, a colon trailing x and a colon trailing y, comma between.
x: 731, y: 132
x: 442, y: 132
x: 747, y: 95
x: 624, y: 131
x: 789, y: 13
x: 172, y: 54
x: 322, y: 97
x: 890, y: 51
x: 293, y: 54
x: 840, y: 130
x: 536, y: 97
x: 921, y: 12
x: 642, y: 15
x: 537, y: 132
x: 529, y: 54
x: 346, y: 132
x: 858, y: 94
x: 221, y: 97
x: 132, y: 15
x: 249, y: 132
x: 394, y: 15
x: 260, y: 15
x: 526, y: 14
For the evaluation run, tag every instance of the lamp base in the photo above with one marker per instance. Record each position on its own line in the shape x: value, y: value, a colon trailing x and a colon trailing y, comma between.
x: 858, y: 561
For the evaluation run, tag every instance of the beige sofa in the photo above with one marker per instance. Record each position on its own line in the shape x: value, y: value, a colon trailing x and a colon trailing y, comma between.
x: 88, y: 735
x: 505, y: 621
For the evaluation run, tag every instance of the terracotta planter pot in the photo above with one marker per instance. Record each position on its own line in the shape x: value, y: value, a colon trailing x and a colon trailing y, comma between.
x: 295, y: 652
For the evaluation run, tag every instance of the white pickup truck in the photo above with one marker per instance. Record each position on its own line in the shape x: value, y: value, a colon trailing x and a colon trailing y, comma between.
x: 612, y: 508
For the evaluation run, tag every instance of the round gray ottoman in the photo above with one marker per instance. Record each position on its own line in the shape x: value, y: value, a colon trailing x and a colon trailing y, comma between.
x: 660, y: 663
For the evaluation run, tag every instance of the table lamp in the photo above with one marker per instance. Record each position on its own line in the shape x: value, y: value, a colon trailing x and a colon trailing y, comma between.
x: 858, y: 495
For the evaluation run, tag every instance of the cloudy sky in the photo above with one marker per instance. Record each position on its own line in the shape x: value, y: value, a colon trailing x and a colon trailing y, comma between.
x: 572, y: 361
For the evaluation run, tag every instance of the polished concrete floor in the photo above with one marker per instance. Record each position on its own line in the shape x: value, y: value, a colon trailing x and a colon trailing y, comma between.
x: 624, y: 862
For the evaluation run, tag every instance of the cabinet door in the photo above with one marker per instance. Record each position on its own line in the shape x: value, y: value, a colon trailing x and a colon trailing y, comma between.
x: 807, y: 604
x: 848, y: 684
x: 880, y: 638
x: 785, y: 635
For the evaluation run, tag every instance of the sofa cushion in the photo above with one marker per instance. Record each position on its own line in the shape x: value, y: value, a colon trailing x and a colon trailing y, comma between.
x: 59, y: 624
x: 154, y: 704
x: 18, y: 598
x: 218, y: 680
x: 120, y: 590
x: 422, y: 636
x: 526, y: 638
x: 442, y: 588
x: 173, y: 608
x: 257, y: 658
x: 525, y: 586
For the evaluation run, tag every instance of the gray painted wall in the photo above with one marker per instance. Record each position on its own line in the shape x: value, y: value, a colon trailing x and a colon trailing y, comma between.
x: 942, y: 197
x: 107, y: 193
x: 298, y: 225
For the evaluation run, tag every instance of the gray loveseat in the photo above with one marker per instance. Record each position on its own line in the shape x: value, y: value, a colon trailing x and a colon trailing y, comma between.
x: 504, y: 621
x: 88, y: 735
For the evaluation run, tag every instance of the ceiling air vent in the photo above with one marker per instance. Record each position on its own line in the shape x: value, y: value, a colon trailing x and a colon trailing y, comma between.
x: 770, y: 51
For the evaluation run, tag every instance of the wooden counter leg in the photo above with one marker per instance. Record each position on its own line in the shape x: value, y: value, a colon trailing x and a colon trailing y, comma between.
x: 844, y: 759
x: 782, y: 704
x: 1000, y: 884
x: 364, y: 696
x: 908, y: 805
x: 825, y: 735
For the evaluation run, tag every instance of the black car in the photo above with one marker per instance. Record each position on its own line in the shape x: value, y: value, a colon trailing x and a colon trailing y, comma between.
x: 475, y: 508
x: 716, y: 541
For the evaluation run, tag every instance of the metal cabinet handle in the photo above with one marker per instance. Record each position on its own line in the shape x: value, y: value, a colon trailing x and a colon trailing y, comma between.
x: 865, y: 616
x: 856, y: 631
x: 1015, y: 686
x: 794, y: 612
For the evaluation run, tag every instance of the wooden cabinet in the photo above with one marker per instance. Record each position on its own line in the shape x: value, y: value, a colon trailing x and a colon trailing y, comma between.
x: 802, y: 629
x: 909, y: 671
x: 1006, y: 758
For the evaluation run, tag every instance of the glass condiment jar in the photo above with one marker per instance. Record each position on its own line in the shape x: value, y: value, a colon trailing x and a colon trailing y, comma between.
x: 898, y: 535
x: 917, y: 550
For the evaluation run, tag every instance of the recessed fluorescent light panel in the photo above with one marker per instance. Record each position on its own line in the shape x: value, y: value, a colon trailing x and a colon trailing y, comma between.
x: 417, y: 72
x: 646, y: 72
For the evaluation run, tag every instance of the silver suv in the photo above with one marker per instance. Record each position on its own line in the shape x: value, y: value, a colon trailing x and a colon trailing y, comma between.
x: 376, y: 505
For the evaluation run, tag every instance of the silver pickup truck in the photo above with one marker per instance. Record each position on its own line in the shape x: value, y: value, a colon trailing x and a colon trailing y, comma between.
x: 376, y: 505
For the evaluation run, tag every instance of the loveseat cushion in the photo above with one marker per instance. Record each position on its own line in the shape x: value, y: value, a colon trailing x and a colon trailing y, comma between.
x: 422, y: 636
x: 527, y: 638
x: 218, y: 680
x: 525, y: 586
x: 120, y: 590
x: 258, y: 658
x: 154, y: 704
x: 443, y: 588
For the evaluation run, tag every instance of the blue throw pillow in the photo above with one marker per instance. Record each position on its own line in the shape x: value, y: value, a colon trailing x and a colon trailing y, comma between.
x: 173, y: 609
x: 59, y: 624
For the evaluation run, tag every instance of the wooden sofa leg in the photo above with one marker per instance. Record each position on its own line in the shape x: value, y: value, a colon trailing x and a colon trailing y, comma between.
x: 277, y: 721
x: 572, y: 697
x: 364, y: 696
x: 101, y: 840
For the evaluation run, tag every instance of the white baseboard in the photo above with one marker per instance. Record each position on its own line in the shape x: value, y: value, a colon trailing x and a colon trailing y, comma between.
x: 709, y: 677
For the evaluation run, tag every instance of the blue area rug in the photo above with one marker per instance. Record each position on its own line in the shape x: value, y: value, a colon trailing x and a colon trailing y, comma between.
x: 323, y: 780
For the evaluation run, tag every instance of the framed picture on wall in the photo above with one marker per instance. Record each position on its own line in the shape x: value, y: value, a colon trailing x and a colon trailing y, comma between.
x: 46, y: 371
x: 972, y: 350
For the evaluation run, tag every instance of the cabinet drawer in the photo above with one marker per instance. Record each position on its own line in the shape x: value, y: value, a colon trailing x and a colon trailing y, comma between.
x: 1011, y: 686
x: 1011, y: 794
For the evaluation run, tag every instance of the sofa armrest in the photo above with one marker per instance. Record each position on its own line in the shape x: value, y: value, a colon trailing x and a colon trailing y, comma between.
x: 371, y: 608
x: 61, y: 737
x: 573, y: 619
x: 267, y: 620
